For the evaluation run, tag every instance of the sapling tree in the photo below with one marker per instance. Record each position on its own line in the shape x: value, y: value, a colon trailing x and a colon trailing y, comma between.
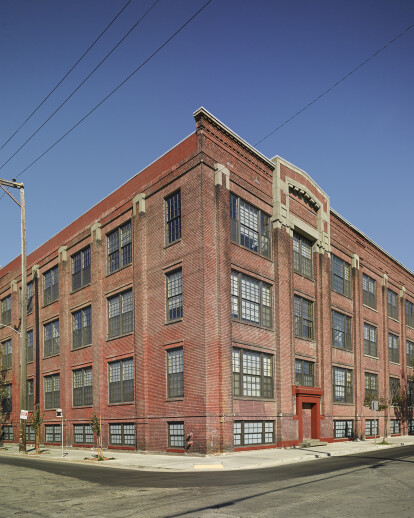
x: 96, y: 425
x: 35, y: 422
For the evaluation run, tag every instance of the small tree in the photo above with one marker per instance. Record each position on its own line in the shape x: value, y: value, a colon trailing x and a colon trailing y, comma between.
x: 397, y: 400
x: 35, y: 423
x: 96, y: 425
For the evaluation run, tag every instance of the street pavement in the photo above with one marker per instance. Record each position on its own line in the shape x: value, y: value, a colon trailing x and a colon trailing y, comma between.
x: 252, y: 459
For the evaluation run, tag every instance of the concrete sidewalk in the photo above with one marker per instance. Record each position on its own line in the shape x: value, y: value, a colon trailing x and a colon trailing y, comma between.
x: 252, y: 459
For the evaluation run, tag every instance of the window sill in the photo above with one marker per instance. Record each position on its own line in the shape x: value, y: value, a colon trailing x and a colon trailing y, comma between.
x: 169, y: 322
x: 394, y: 363
x: 114, y: 338
x: 172, y: 399
x: 373, y: 357
x: 82, y: 406
x: 369, y: 307
x: 306, y: 339
x: 81, y: 347
x: 175, y: 450
x: 252, y: 324
x: 167, y: 245
x: 394, y: 319
x: 50, y: 356
x: 312, y: 279
x: 342, y: 403
x: 342, y: 349
x: 81, y: 288
x: 120, y: 447
x: 50, y: 303
x: 252, y: 398
x: 342, y: 294
x: 108, y: 274
x: 252, y: 251
x: 122, y: 403
x: 409, y: 327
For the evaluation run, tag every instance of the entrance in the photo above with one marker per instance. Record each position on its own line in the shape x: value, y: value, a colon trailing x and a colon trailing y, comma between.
x: 308, y: 412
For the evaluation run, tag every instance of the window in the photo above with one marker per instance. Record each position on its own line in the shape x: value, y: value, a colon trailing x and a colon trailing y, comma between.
x: 395, y: 426
x: 173, y: 218
x: 6, y: 310
x: 7, y: 399
x: 393, y: 348
x: 7, y: 433
x: 6, y: 355
x: 410, y: 354
x: 341, y: 331
x: 52, y: 391
x: 52, y: 433
x: 81, y: 269
x: 51, y: 286
x: 30, y: 435
x: 371, y: 386
x: 343, y: 429
x: 370, y: 340
x: 342, y: 385
x: 246, y: 433
x: 251, y: 300
x: 392, y: 298
x: 410, y: 393
x: 122, y: 434
x: 371, y: 427
x: 120, y: 315
x: 119, y: 246
x: 409, y: 313
x: 341, y: 276
x: 249, y: 227
x: 82, y: 434
x: 174, y: 295
x: 252, y: 374
x: 395, y: 391
x: 29, y: 297
x: 29, y: 346
x: 51, y: 338
x: 175, y: 373
x: 30, y: 394
x: 82, y: 387
x: 303, y: 311
x: 82, y: 328
x: 410, y: 427
x: 121, y: 381
x: 369, y: 291
x: 304, y: 373
x: 302, y: 255
x: 176, y: 435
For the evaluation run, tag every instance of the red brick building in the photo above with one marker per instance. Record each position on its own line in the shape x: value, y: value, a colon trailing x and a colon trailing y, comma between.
x: 213, y: 302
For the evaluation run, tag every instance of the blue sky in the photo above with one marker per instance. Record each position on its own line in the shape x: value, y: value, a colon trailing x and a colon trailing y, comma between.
x: 252, y: 64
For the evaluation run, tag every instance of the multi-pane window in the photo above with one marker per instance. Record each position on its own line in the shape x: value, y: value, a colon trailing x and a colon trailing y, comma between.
x: 52, y: 391
x: 341, y: 331
x: 6, y: 310
x: 174, y: 295
x: 82, y: 434
x: 176, y: 435
x: 304, y: 373
x: 395, y: 391
x: 410, y: 354
x: 121, y: 381
x: 51, y: 338
x: 82, y: 328
x: 122, y: 434
x: 30, y: 434
x: 251, y: 300
x: 249, y: 227
x: 393, y: 348
x: 395, y: 426
x: 370, y: 340
x: 371, y: 427
x: 6, y: 399
x: 81, y: 269
x: 371, y: 386
x: 6, y: 355
x: 82, y: 387
x: 30, y: 394
x: 252, y: 374
x: 29, y: 346
x: 247, y: 433
x: 120, y: 314
x: 303, y: 312
x: 343, y: 429
x: 369, y: 291
x: 302, y: 255
x: 119, y: 247
x: 392, y: 299
x: 342, y: 385
x: 409, y: 313
x: 410, y: 425
x: 410, y: 393
x: 53, y: 433
x: 341, y: 276
x: 175, y: 373
x: 173, y: 218
x: 6, y: 433
x: 51, y: 285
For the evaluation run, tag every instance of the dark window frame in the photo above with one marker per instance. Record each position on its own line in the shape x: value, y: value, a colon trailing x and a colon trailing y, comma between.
x: 409, y: 313
x: 6, y: 355
x: 370, y: 346
x: 175, y: 372
x: 392, y: 304
x: 172, y: 204
x: 124, y: 387
x: 30, y: 394
x: 82, y: 390
x: 343, y: 432
x: 82, y: 336
x: 55, y: 430
x: 81, y: 269
x: 371, y: 385
x: 260, y: 303
x: 125, y: 437
x: 302, y: 378
x: 300, y: 321
x: 369, y: 293
x: 52, y: 397
x: 51, y: 346
x: 85, y: 427
x: 240, y: 433
x: 340, y: 335
x: 121, y: 323
x: 244, y: 375
x: 30, y: 347
x: 6, y: 304
x: 301, y: 263
x: 395, y: 390
x: 51, y: 285
x: 369, y: 424
x: 6, y: 432
x: 119, y: 248
x: 176, y: 440
x: 347, y: 387
x: 174, y: 295
x: 7, y: 398
x: 340, y: 270
x: 395, y: 427
x: 409, y: 353
x: 393, y: 348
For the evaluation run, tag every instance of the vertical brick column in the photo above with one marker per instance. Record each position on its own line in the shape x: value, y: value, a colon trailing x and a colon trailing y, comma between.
x: 65, y: 339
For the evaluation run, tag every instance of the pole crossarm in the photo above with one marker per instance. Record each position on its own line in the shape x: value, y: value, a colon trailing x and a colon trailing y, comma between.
x: 8, y: 183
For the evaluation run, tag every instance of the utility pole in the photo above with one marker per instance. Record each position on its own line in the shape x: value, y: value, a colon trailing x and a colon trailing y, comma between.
x: 23, y: 305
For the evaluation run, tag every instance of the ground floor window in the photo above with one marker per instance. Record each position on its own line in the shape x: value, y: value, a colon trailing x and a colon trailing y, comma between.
x: 52, y: 433
x: 7, y: 433
x: 122, y: 434
x: 30, y: 435
x: 395, y: 426
x: 82, y: 434
x: 248, y: 433
x: 176, y: 435
x: 343, y: 429
x: 371, y: 427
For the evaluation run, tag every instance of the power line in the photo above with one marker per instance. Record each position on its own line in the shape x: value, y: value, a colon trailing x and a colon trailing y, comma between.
x: 80, y: 85
x: 335, y: 85
x: 116, y: 88
x: 65, y: 76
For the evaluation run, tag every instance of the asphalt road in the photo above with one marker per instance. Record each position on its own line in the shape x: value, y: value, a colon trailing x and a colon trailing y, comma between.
x: 372, y: 484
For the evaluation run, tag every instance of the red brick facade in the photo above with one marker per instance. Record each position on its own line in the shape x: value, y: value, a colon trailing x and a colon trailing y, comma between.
x: 271, y: 407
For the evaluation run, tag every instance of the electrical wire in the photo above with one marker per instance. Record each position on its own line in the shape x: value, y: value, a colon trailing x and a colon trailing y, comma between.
x: 65, y: 76
x: 80, y: 84
x: 334, y: 85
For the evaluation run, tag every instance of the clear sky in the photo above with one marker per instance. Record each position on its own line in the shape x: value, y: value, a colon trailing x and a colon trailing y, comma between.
x: 252, y: 63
